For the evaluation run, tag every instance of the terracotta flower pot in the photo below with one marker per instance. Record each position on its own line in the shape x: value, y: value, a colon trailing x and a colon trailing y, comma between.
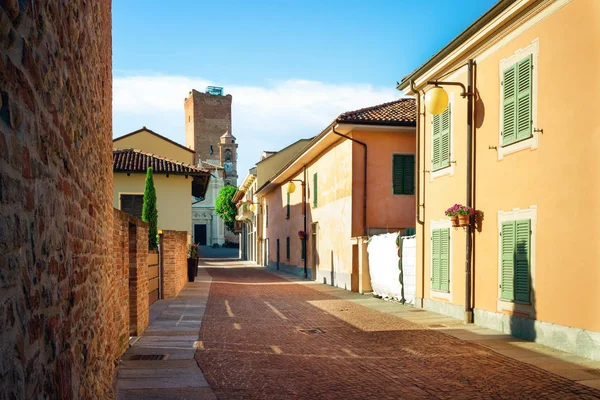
x: 454, y: 220
x: 464, y: 220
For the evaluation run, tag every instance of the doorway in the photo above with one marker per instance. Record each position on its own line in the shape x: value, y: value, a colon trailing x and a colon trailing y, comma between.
x: 200, y: 234
x: 266, y: 253
x: 314, y: 255
x: 278, y: 254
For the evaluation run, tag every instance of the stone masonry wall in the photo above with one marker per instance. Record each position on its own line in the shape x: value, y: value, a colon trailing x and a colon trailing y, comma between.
x: 174, y: 262
x: 207, y: 117
x: 57, y: 301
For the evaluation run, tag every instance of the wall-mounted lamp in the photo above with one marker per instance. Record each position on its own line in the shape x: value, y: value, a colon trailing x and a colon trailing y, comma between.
x: 436, y: 100
x: 291, y: 188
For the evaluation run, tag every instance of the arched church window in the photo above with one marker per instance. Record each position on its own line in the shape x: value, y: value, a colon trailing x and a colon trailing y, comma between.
x: 227, y: 155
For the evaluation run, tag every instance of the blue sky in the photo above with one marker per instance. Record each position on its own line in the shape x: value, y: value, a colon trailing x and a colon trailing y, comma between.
x: 291, y: 66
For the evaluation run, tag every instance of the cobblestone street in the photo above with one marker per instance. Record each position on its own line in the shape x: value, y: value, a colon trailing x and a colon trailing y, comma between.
x: 266, y: 337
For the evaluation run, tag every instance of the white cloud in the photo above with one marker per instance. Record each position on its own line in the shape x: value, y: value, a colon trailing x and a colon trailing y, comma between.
x: 264, y: 118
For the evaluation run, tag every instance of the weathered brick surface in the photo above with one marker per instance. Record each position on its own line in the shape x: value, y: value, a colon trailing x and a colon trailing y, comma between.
x: 252, y: 349
x: 130, y: 254
x: 207, y: 117
x: 174, y: 262
x: 57, y: 299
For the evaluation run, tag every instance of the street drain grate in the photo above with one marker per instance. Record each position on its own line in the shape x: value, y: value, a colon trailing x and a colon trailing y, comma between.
x: 438, y: 326
x: 137, y: 357
x: 312, y: 331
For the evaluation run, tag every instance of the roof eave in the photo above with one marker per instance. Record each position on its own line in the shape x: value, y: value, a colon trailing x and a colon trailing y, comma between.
x: 492, y: 13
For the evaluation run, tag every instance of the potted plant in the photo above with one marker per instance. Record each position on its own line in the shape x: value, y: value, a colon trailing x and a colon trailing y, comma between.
x: 192, y: 261
x: 452, y: 213
x: 301, y: 235
x: 460, y: 215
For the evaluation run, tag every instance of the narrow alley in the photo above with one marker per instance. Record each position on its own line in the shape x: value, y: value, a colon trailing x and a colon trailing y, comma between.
x: 271, y: 336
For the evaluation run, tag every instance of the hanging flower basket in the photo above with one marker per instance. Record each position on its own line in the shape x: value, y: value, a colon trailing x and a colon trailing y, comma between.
x: 301, y: 235
x: 460, y: 215
x: 454, y: 220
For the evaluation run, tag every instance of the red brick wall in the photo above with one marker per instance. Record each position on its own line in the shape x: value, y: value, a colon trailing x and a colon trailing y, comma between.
x: 130, y: 254
x: 174, y: 262
x: 57, y: 303
x: 138, y: 279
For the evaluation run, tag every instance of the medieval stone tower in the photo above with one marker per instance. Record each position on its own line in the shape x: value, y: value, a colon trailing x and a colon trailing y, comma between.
x: 207, y: 120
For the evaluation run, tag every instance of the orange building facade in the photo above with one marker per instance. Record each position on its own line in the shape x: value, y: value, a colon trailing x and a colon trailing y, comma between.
x: 534, y: 263
x: 329, y: 178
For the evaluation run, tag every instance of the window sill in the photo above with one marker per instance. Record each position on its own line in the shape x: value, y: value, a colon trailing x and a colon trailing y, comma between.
x: 511, y: 306
x: 440, y: 295
x: 528, y: 143
x: 449, y: 170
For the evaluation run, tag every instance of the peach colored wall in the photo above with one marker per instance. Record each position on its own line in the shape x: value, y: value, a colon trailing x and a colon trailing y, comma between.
x: 560, y: 177
x: 384, y: 209
x: 339, y: 206
x: 333, y: 213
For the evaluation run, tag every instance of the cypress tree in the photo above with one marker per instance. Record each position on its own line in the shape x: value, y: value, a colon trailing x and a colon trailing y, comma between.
x: 149, y: 211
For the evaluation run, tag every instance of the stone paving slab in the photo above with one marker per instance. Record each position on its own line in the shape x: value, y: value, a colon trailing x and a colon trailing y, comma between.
x: 173, y: 332
x: 167, y: 394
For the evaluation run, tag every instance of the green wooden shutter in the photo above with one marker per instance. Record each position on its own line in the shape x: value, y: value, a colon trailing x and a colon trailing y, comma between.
x: 288, y: 206
x: 436, y: 259
x: 524, y: 75
x: 444, y: 259
x: 508, y: 261
x: 408, y: 175
x: 436, y: 142
x: 522, y: 260
x: 509, y: 112
x: 315, y: 189
x: 445, y: 138
x: 398, y: 172
x: 287, y: 247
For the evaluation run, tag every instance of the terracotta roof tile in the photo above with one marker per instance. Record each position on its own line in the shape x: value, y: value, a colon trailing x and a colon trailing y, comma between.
x: 131, y: 160
x: 401, y: 112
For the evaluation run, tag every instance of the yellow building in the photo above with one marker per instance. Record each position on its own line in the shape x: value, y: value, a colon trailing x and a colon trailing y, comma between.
x: 151, y: 142
x: 175, y: 180
x: 527, y: 161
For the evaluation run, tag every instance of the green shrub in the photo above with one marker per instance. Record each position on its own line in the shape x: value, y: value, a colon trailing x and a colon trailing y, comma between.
x: 149, y: 211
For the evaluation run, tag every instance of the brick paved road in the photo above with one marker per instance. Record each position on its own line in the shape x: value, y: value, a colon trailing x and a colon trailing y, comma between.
x: 252, y: 349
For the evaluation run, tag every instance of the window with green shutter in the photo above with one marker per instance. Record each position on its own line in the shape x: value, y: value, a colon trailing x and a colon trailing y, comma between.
x: 515, y: 262
x: 287, y: 247
x: 287, y: 215
x: 517, y: 101
x: 440, y: 140
x: 315, y: 189
x: 403, y: 171
x: 440, y: 261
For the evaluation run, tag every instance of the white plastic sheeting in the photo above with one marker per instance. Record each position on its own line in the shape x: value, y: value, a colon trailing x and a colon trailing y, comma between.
x: 409, y: 268
x: 384, y: 267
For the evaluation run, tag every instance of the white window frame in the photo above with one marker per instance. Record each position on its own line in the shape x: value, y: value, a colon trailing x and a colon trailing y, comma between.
x: 532, y: 142
x: 518, y: 214
x: 449, y: 170
x: 436, y: 294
